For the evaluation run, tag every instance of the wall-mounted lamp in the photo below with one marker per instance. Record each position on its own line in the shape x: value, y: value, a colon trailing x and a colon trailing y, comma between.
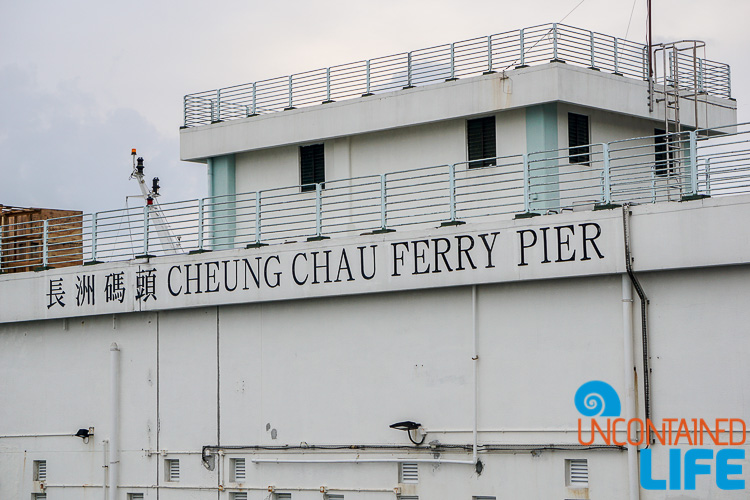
x: 85, y: 434
x: 411, y: 427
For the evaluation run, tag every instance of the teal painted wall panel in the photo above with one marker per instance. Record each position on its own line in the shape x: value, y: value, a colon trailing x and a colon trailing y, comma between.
x: 541, y: 146
x: 222, y: 190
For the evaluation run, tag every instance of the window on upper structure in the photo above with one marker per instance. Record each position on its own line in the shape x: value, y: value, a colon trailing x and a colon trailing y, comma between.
x: 663, y: 157
x: 312, y: 166
x: 577, y: 472
x: 480, y: 141
x: 578, y: 138
x: 40, y: 470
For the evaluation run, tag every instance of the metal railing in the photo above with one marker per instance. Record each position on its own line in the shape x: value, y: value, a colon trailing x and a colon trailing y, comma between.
x: 671, y: 167
x: 487, y: 54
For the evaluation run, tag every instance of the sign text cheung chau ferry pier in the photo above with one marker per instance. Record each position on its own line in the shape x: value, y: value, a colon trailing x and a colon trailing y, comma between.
x: 412, y: 278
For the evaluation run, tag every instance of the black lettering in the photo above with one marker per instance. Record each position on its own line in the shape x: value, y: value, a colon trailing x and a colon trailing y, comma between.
x: 254, y: 273
x: 464, y: 251
x: 169, y: 281
x: 362, y: 262
x: 344, y: 264
x: 544, y: 241
x: 524, y: 246
x: 397, y: 258
x: 277, y: 274
x: 489, y: 247
x: 439, y: 254
x: 591, y: 240
x: 197, y: 278
x: 566, y: 243
x: 226, y: 275
x: 211, y: 276
x: 322, y: 266
x: 294, y: 269
x: 420, y: 256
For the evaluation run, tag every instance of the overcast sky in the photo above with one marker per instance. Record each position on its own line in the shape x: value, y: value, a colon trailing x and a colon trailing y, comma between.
x: 85, y: 81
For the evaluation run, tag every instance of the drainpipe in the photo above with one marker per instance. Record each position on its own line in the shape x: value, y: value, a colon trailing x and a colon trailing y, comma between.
x: 114, y: 423
x: 475, y: 358
x: 105, y: 467
x: 627, y: 330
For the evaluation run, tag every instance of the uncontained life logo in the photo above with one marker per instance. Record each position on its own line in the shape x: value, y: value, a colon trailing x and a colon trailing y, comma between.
x: 686, y: 441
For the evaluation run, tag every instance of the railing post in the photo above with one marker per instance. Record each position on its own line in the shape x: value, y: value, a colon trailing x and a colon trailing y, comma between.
x: 607, y: 186
x: 693, y: 162
x: 255, y: 107
x: 700, y: 78
x: 367, y: 77
x: 1, y: 249
x: 145, y: 230
x: 526, y: 184
x: 45, y: 243
x: 93, y: 236
x: 453, y: 61
x: 408, y: 71
x: 291, y: 102
x: 247, y: 111
x: 708, y: 176
x: 489, y: 54
x: 383, y: 203
x: 257, y: 217
x: 591, y: 38
x: 554, y: 41
x: 218, y: 105
x: 184, y: 111
x: 729, y: 82
x: 452, y: 188
x: 200, y: 224
x: 318, y: 211
x: 213, y: 109
x: 617, y: 58
x: 328, y: 85
x: 653, y: 184
x: 522, y: 46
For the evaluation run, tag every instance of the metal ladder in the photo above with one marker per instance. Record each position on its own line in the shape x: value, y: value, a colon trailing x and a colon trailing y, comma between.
x: 677, y: 78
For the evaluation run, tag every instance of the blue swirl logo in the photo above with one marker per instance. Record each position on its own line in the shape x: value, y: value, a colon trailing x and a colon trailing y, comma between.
x: 597, y: 399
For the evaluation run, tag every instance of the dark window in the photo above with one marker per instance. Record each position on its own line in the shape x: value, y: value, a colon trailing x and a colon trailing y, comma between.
x: 312, y: 166
x: 480, y: 138
x: 578, y: 138
x: 662, y: 153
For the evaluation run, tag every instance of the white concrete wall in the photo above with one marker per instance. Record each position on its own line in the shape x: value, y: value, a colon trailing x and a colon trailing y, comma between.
x: 340, y: 369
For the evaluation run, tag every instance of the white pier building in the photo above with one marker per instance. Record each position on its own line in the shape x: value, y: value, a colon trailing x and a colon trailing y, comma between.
x: 404, y: 271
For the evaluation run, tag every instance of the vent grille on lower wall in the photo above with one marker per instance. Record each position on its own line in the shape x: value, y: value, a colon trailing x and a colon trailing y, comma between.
x: 409, y: 472
x: 238, y: 466
x: 578, y: 472
x: 173, y: 470
x: 40, y: 470
x: 239, y: 496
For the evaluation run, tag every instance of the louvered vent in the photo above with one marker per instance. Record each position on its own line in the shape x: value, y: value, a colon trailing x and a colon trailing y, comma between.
x: 578, y: 472
x: 40, y: 470
x: 173, y: 470
x: 283, y: 496
x: 40, y: 496
x: 239, y: 469
x: 135, y: 496
x: 481, y: 142
x: 409, y: 472
x: 239, y: 495
x: 408, y: 498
